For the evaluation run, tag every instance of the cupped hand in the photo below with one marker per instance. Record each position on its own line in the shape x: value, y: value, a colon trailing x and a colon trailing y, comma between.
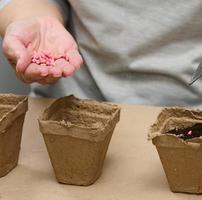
x: 25, y: 37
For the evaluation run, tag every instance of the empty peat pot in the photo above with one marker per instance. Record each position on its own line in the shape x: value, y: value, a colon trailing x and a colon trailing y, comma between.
x: 77, y: 134
x: 177, y: 137
x: 12, y: 114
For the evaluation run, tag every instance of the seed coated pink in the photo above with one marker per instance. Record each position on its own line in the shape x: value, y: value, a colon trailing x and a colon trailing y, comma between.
x: 45, y: 58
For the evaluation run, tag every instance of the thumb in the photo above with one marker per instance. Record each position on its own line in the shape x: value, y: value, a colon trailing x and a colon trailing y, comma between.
x: 16, y: 52
x: 23, y: 62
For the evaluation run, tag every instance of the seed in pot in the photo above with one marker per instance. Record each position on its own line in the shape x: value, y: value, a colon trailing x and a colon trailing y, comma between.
x: 189, y: 133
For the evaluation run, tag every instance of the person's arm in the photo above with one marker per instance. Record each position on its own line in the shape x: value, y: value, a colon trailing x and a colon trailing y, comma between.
x: 24, y: 9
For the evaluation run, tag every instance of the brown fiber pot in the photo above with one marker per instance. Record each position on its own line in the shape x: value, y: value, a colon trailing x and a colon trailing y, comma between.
x: 181, y: 159
x: 12, y: 114
x: 77, y: 135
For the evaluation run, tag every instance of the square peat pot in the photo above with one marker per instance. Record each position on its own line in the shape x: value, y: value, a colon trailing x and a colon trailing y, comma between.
x: 177, y: 137
x: 77, y: 135
x: 12, y: 114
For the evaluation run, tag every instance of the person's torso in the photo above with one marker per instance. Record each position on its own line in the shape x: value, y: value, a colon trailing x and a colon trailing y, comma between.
x: 138, y: 51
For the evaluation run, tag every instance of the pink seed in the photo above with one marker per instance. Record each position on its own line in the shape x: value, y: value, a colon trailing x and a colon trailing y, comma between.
x: 189, y: 133
x: 45, y: 58
x: 42, y: 60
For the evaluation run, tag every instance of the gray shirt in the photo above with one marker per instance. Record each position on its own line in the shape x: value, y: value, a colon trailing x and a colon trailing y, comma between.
x: 135, y: 51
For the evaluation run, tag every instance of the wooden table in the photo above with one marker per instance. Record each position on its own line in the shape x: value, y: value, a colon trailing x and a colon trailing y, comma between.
x: 132, y: 167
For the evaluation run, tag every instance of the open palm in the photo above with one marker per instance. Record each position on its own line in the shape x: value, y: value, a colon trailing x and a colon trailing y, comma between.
x: 25, y: 37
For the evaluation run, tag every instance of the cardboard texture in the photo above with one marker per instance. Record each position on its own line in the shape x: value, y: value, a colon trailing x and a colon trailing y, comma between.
x: 77, y: 134
x: 12, y: 114
x: 131, y: 169
x: 181, y: 159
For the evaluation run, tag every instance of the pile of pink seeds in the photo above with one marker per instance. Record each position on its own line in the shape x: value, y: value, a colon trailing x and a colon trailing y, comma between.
x: 44, y: 58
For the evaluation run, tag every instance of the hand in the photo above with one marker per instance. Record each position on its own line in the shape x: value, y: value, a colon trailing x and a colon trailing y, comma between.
x: 24, y: 37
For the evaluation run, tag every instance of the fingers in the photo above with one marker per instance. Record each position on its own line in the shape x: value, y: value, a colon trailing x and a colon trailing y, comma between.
x: 46, y: 75
x: 40, y: 74
x: 74, y: 58
x: 33, y: 73
x: 55, y: 72
x: 16, y: 53
x: 62, y: 68
x: 66, y: 68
